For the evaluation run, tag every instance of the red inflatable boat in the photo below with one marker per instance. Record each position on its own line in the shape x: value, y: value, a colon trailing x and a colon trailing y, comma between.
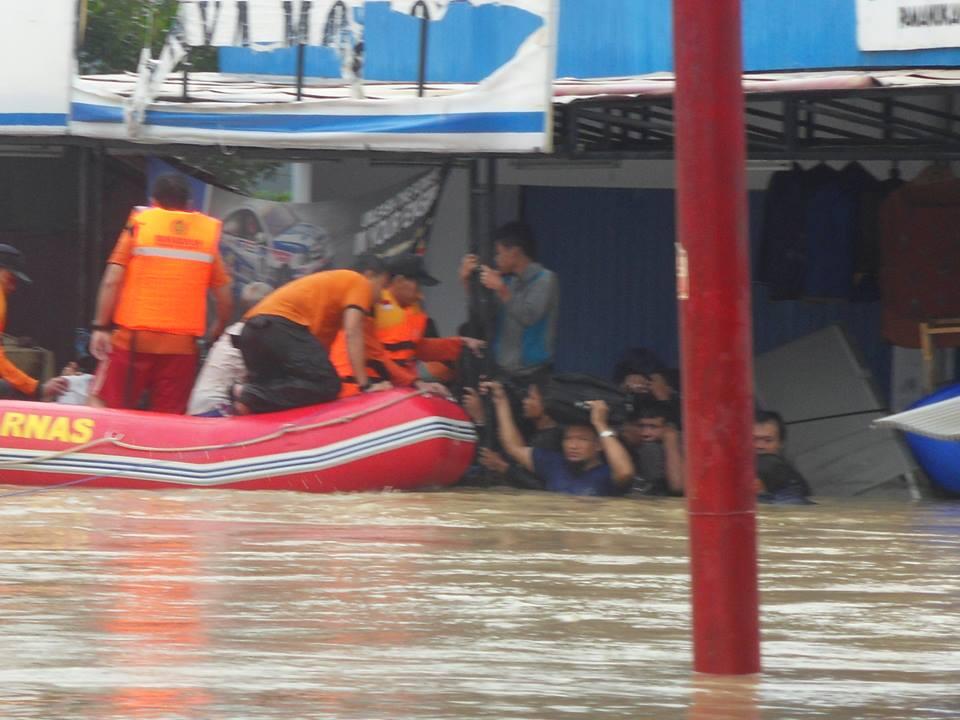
x: 390, y: 440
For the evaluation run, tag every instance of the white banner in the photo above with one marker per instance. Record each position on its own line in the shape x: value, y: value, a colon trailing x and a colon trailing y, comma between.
x: 508, y: 111
x: 36, y: 54
x: 907, y: 24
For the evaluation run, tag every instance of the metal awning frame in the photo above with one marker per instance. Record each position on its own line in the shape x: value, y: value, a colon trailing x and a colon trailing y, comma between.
x: 883, y: 123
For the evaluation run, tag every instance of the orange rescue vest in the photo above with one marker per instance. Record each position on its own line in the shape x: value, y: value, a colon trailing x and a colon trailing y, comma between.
x: 399, y: 329
x: 165, y: 283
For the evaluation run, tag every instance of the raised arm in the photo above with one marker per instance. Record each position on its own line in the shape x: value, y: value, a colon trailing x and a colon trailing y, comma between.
x: 621, y: 466
x: 510, y: 437
x: 673, y: 461
x: 535, y: 301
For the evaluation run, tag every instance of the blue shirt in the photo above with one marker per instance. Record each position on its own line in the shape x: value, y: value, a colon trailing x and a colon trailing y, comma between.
x: 558, y: 476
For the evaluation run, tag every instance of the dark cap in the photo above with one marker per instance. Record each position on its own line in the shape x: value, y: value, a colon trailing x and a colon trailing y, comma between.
x: 411, y: 266
x: 12, y: 260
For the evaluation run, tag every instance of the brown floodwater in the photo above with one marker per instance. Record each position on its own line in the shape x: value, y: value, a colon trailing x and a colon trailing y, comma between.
x: 462, y: 604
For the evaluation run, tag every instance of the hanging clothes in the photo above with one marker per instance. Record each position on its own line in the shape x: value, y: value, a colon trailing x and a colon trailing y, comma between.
x: 833, y: 227
x: 782, y: 259
x: 920, y: 253
x: 866, y: 265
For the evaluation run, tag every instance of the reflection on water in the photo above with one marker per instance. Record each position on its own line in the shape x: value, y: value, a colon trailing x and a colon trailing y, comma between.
x: 202, y: 604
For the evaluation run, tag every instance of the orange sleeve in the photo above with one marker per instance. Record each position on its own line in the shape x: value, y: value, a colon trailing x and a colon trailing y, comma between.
x: 219, y: 276
x: 442, y: 349
x: 123, y: 249
x: 358, y: 293
x: 16, y: 377
x: 399, y: 375
x: 8, y: 371
x: 375, y: 351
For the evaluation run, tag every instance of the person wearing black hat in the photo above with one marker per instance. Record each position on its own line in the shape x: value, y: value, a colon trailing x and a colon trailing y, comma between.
x: 400, y: 326
x: 14, y: 383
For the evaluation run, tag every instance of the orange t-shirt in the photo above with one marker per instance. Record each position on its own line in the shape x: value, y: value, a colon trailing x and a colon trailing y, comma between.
x: 317, y: 301
x: 8, y: 371
x: 158, y: 343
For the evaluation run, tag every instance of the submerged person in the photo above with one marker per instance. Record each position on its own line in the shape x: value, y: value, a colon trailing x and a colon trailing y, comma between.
x: 14, y: 383
x: 152, y: 303
x: 544, y: 433
x: 654, y: 445
x: 287, y: 337
x: 223, y: 367
x: 777, y: 480
x: 592, y: 460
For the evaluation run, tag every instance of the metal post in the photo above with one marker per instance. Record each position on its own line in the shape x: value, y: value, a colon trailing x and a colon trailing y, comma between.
x: 97, y: 257
x: 480, y: 300
x: 83, y: 237
x: 420, y: 10
x: 714, y: 287
x: 185, y: 86
x: 301, y: 61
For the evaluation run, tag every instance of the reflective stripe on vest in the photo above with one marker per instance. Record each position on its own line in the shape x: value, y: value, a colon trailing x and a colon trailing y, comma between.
x: 399, y: 329
x: 166, y: 281
x: 176, y: 254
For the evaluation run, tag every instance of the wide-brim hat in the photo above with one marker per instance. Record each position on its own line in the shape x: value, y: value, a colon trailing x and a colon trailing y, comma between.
x: 411, y: 266
x: 12, y: 260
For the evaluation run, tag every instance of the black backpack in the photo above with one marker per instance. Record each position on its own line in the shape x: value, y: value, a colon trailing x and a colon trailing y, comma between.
x: 566, y: 396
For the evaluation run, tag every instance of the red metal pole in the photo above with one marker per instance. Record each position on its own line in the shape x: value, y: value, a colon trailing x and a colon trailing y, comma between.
x: 714, y: 289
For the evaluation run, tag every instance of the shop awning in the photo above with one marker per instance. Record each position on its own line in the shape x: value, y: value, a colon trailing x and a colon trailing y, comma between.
x: 878, y: 114
x: 842, y: 114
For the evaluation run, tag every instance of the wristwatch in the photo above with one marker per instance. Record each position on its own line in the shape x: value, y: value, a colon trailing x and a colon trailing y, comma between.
x: 608, y: 433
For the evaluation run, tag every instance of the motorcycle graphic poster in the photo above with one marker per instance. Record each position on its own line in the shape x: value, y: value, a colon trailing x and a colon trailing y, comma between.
x: 274, y: 242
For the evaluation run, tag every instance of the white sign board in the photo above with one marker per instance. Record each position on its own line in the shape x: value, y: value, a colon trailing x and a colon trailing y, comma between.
x: 510, y: 110
x: 36, y: 54
x: 907, y: 24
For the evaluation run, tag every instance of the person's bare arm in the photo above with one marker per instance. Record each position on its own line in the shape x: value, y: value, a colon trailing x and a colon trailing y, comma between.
x: 107, y: 296
x: 223, y: 296
x: 510, y: 437
x: 353, y: 329
x: 621, y: 466
x: 673, y: 461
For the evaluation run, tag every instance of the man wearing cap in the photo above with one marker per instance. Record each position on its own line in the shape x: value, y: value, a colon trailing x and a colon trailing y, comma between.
x: 14, y: 383
x: 152, y: 303
x: 399, y: 326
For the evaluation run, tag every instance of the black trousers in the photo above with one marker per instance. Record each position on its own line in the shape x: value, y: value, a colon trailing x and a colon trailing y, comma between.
x: 287, y: 367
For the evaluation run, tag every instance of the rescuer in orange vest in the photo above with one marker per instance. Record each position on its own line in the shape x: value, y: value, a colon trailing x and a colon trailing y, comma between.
x: 399, y: 326
x: 152, y: 304
x: 14, y: 383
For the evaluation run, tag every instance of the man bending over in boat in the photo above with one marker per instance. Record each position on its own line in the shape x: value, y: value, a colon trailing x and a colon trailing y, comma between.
x: 286, y: 339
x: 153, y: 297
x: 14, y: 383
x: 592, y: 460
